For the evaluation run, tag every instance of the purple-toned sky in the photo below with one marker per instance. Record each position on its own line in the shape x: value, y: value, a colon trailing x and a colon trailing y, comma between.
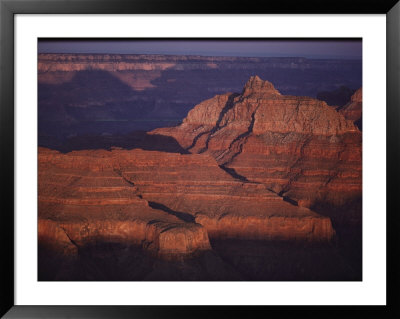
x: 341, y: 49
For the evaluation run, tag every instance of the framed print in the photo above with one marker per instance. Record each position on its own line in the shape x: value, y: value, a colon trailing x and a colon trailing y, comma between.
x: 161, y: 155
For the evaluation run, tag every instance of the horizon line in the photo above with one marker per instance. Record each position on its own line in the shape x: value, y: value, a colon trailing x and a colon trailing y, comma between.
x: 311, y: 57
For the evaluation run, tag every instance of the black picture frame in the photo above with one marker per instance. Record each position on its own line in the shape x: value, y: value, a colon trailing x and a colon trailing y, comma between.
x: 9, y: 8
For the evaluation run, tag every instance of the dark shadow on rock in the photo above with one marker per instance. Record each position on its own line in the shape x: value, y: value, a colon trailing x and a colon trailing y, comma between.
x: 289, y: 200
x: 240, y: 139
x: 118, y: 262
x: 358, y: 123
x: 142, y: 140
x: 349, y: 213
x: 103, y: 261
x: 228, y: 105
x: 183, y: 216
x: 347, y: 222
x: 285, y: 260
x: 338, y: 97
x: 233, y: 173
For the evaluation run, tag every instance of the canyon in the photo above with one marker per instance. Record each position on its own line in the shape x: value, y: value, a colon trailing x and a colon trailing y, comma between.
x: 244, y: 178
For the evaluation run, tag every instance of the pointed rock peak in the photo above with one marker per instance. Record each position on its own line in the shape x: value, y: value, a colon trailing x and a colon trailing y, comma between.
x: 256, y: 85
x: 256, y: 81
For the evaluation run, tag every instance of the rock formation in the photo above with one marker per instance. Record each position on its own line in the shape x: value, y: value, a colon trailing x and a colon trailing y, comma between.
x: 84, y: 200
x: 167, y: 203
x: 195, y: 187
x: 298, y: 147
x: 353, y: 110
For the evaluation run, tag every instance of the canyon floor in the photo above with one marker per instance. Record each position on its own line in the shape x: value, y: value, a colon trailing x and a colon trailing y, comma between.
x: 253, y: 185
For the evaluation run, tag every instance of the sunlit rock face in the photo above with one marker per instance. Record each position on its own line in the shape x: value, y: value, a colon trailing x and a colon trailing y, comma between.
x: 353, y: 110
x: 167, y: 203
x: 298, y: 147
x: 195, y: 188
x: 84, y: 200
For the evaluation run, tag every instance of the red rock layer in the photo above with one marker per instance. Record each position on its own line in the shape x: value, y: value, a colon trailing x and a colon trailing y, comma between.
x: 298, y: 147
x: 226, y: 207
x: 353, y: 110
x: 83, y: 201
x: 165, y: 202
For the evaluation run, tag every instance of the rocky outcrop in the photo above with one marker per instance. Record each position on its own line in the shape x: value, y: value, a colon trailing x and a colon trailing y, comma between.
x: 83, y: 200
x: 195, y: 187
x: 257, y: 88
x: 167, y: 203
x: 353, y: 110
x: 298, y: 147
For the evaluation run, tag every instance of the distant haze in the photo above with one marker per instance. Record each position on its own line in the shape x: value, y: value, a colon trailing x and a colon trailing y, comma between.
x: 316, y: 49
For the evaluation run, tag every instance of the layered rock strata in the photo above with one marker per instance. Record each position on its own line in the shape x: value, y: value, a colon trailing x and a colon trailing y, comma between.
x: 168, y: 203
x: 298, y: 147
x: 84, y: 201
x: 353, y: 110
x: 195, y: 188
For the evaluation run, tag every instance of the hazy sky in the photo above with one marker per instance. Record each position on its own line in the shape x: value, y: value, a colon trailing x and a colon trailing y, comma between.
x: 342, y: 49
